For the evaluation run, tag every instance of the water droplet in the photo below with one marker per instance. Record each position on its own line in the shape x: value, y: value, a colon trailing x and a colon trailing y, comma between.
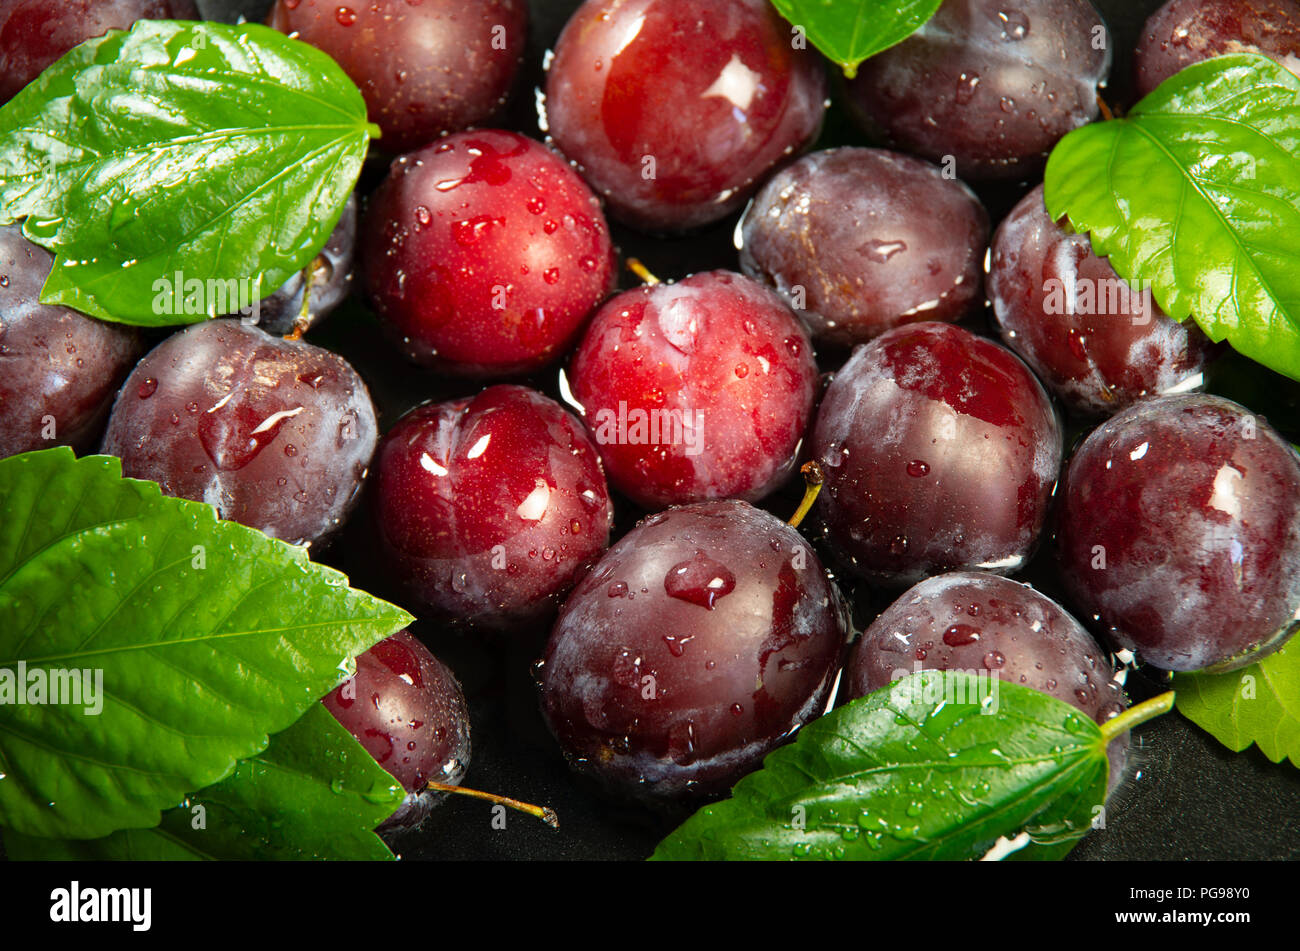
x: 917, y: 468
x: 346, y: 16
x: 1015, y: 25
x: 882, y: 251
x: 147, y: 388
x: 960, y: 634
x: 677, y: 644
x: 699, y: 580
x: 966, y: 85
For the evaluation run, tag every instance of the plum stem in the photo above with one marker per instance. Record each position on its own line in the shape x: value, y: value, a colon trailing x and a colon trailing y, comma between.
x: 1104, y: 106
x: 1135, y: 716
x: 303, y: 319
x: 641, y: 271
x: 812, y: 478
x: 545, y: 813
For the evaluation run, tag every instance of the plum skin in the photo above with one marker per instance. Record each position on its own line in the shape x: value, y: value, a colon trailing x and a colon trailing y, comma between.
x: 726, y: 355
x: 35, y: 33
x: 484, y: 254
x: 875, y: 239
x: 1179, y: 533
x: 1096, y: 363
x: 939, y: 450
x: 711, y: 90
x: 58, y: 365
x: 992, y: 86
x: 702, y: 640
x: 1183, y: 32
x: 424, y: 68
x: 488, y: 509
x: 274, y: 434
x: 408, y: 711
x: 981, y: 622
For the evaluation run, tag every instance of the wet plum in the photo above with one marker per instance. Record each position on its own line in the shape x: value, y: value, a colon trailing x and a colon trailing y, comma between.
x: 489, y: 508
x: 274, y: 434
x: 702, y: 640
x: 939, y: 450
x: 696, y: 390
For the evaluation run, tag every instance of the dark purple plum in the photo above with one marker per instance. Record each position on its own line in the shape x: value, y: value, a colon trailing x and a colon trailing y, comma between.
x: 993, y: 85
x: 1098, y: 343
x: 701, y: 641
x: 1183, y: 32
x: 488, y: 509
x: 674, y: 110
x: 859, y: 241
x: 1179, y: 533
x: 990, y: 626
x: 58, y: 369
x: 702, y: 389
x: 274, y: 434
x: 939, y: 450
x: 425, y: 67
x: 35, y: 33
x: 407, y: 709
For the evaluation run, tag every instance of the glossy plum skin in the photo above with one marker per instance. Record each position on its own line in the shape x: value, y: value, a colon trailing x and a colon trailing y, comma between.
x: 1179, y: 533
x: 34, y: 33
x: 54, y: 362
x: 720, y: 366
x: 407, y: 709
x: 485, y: 253
x: 331, y: 281
x: 875, y: 240
x: 983, y: 623
x: 1094, y: 342
x: 488, y: 509
x: 993, y: 85
x: 701, y: 641
x: 274, y: 434
x: 424, y: 68
x: 939, y: 450
x: 1183, y: 32
x: 674, y: 109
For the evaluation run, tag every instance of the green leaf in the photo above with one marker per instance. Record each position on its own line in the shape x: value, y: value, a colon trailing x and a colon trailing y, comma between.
x: 220, y: 152
x: 208, y: 636
x: 1197, y: 191
x: 1258, y: 704
x: 849, y: 31
x: 921, y: 769
x: 315, y: 793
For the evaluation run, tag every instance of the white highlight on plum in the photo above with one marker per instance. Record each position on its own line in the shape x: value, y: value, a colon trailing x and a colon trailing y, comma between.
x: 737, y: 83
x: 533, y: 507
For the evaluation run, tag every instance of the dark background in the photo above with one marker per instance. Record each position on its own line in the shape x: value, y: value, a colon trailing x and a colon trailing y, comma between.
x: 1185, y: 796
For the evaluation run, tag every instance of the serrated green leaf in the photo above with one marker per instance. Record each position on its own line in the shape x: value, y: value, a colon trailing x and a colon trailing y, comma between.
x: 1197, y: 191
x: 314, y: 793
x: 221, y: 153
x: 209, y: 635
x: 1258, y: 704
x: 921, y: 769
x: 850, y: 31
